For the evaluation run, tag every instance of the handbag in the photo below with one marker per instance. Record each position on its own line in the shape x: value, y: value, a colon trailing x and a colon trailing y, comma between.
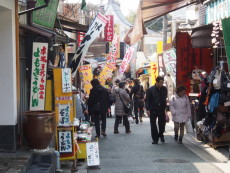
x: 127, y: 108
x: 166, y: 117
x: 188, y: 126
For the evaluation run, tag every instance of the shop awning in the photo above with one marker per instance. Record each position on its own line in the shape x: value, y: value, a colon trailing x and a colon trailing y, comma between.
x: 152, y: 9
x: 47, y: 33
x: 201, y: 37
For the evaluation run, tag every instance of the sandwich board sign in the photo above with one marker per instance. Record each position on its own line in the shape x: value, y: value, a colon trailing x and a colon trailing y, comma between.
x: 92, y: 150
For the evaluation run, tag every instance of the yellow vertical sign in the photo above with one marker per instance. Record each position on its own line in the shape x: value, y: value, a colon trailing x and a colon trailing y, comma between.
x: 153, y: 72
x: 86, y: 77
x: 159, y: 47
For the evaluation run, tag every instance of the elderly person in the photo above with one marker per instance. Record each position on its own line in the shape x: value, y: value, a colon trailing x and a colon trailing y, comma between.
x: 179, y: 105
x: 122, y: 98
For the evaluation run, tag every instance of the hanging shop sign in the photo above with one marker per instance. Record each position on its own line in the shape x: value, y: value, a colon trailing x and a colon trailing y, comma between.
x: 66, y: 80
x: 80, y: 37
x: 217, y: 10
x: 86, y: 77
x: 169, y: 58
x: 153, y: 72
x: 109, y: 28
x: 95, y: 29
x: 64, y: 114
x: 111, y: 61
x: 46, y: 16
x: 38, y: 76
x: 126, y: 60
x: 65, y: 140
x: 93, y: 158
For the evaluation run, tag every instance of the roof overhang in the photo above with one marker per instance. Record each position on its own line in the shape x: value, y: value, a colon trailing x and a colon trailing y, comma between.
x: 152, y: 9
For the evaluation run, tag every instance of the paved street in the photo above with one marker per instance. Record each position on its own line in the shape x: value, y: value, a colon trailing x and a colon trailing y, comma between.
x: 135, y: 153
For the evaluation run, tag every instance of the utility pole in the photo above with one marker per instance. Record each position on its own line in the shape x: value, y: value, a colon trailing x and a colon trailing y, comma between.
x: 165, y: 24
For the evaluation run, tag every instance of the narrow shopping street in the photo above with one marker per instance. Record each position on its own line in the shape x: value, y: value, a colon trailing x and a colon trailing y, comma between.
x: 135, y: 153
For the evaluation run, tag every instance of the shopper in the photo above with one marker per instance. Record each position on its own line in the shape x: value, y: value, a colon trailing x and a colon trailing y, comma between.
x: 156, y: 106
x: 179, y: 105
x: 122, y: 98
x: 137, y: 94
x: 98, y: 105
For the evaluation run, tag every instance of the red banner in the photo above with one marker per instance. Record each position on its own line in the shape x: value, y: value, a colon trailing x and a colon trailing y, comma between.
x: 80, y: 36
x: 109, y: 28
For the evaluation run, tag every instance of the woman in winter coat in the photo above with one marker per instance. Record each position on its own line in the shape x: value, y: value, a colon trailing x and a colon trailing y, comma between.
x: 121, y: 96
x: 179, y: 106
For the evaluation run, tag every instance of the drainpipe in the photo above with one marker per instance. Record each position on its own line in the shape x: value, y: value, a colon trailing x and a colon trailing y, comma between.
x: 58, y: 165
x: 35, y: 8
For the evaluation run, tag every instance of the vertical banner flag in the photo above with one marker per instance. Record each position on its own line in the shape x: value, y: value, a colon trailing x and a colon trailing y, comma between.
x: 95, y: 29
x: 80, y: 37
x: 38, y: 76
x: 153, y: 72
x: 161, y: 66
x: 226, y: 27
x: 126, y: 60
x: 109, y: 28
x: 86, y: 77
x: 111, y: 61
x: 169, y: 57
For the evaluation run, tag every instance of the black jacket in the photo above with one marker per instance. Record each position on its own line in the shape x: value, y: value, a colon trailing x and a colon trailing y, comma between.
x: 98, y: 94
x: 137, y: 92
x: 156, y: 99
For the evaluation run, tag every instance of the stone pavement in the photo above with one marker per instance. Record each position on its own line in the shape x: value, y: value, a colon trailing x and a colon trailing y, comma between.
x: 135, y: 153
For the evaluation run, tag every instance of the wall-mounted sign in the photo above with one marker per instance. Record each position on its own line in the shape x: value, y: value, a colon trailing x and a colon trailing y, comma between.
x: 109, y: 28
x: 93, y: 158
x: 65, y: 141
x: 217, y: 10
x: 38, y: 76
x: 66, y: 80
x: 46, y: 16
x: 63, y: 114
x: 153, y: 72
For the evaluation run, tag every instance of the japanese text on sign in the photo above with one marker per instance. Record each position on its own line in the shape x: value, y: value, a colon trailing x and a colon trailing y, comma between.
x: 93, y: 158
x: 64, y: 114
x: 126, y: 60
x: 109, y: 28
x: 66, y: 80
x: 65, y: 141
x: 38, y: 76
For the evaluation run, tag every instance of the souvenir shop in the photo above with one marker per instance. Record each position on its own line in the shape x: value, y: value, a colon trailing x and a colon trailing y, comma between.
x: 204, y: 72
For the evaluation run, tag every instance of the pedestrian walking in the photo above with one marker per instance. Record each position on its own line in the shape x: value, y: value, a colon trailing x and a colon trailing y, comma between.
x: 156, y: 106
x: 137, y: 94
x: 179, y: 106
x: 122, y: 98
x: 98, y: 105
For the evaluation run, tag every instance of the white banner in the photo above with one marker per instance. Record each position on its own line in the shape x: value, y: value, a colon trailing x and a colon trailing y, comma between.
x: 93, y: 158
x: 126, y: 60
x: 63, y: 114
x: 65, y: 142
x: 66, y: 80
x: 38, y: 76
x: 95, y: 29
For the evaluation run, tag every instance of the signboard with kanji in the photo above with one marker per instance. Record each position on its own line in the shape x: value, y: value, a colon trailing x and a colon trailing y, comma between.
x: 93, y: 158
x: 109, y: 28
x: 46, y: 16
x: 80, y: 37
x: 65, y: 141
x: 38, y: 76
x: 153, y: 72
x: 126, y: 60
x: 66, y: 80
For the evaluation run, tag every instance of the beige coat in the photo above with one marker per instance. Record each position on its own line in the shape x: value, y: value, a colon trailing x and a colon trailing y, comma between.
x: 119, y: 108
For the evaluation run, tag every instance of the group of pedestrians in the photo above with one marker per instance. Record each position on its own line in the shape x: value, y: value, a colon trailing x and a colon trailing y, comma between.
x: 154, y: 100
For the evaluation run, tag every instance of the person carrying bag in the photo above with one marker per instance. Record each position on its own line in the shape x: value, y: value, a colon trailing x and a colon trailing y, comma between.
x: 121, y: 108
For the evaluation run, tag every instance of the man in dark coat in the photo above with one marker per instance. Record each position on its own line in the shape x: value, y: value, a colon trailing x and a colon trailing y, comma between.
x: 98, y: 106
x: 137, y: 95
x: 156, y: 106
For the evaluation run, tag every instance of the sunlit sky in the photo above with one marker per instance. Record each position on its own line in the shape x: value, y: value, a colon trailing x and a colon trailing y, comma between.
x: 126, y: 5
